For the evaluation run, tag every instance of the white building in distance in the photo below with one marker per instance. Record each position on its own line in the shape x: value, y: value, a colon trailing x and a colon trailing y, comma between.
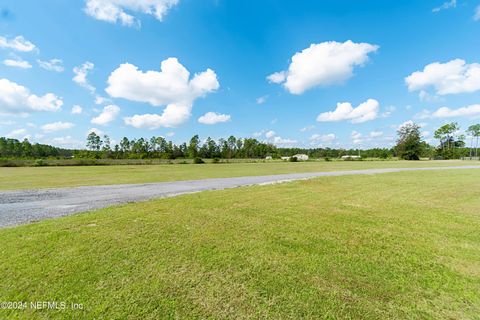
x: 301, y: 157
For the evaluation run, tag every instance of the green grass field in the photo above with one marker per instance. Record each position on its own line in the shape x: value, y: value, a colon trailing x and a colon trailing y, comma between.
x: 390, y: 246
x: 51, y: 177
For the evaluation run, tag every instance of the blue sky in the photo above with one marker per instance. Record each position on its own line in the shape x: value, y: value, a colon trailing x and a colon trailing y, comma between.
x: 383, y: 62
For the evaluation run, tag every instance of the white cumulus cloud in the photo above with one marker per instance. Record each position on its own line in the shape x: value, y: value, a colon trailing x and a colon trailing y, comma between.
x: 272, y: 137
x: 453, y: 77
x: 51, y: 65
x: 326, y: 138
x: 101, y: 100
x: 68, y: 142
x: 213, y: 118
x: 366, y: 111
x: 15, y: 98
x: 17, y: 63
x: 270, y: 134
x: 108, y: 114
x: 469, y: 111
x: 171, y: 86
x: 18, y: 43
x: 18, y: 134
x: 145, y: 121
x: 376, y: 134
x: 323, y: 64
x: 81, y: 73
x: 76, y: 109
x: 356, y: 137
x: 445, y: 112
x: 277, y: 77
x: 57, y: 126
x: 283, y: 141
x: 120, y: 10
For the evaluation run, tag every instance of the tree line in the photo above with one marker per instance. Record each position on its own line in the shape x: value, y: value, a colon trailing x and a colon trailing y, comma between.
x: 410, y: 146
x: 230, y: 148
x: 13, y: 148
x: 159, y: 147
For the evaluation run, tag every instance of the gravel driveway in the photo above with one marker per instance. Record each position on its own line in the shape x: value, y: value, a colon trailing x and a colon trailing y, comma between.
x: 23, y: 206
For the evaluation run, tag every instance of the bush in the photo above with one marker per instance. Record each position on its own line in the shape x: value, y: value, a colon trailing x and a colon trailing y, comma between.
x: 40, y: 163
x: 293, y: 159
x: 198, y: 160
x: 327, y: 159
x: 86, y: 162
x: 10, y: 163
x: 215, y: 160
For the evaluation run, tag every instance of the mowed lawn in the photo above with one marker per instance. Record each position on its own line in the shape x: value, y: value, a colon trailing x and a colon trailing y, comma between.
x: 388, y: 246
x: 52, y: 177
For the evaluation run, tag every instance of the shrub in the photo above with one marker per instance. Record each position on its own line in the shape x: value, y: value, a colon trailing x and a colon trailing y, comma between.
x: 10, y: 163
x: 198, y: 160
x: 215, y: 160
x: 327, y: 159
x: 293, y: 159
x: 39, y: 163
x: 86, y: 162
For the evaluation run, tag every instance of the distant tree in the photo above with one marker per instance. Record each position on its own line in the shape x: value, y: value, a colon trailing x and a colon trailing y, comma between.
x: 184, y: 149
x: 446, y: 135
x: 94, y: 142
x: 169, y: 152
x: 116, y: 151
x: 105, y: 148
x: 125, y: 145
x: 428, y: 151
x: 232, y: 146
x: 140, y: 148
x: 474, y: 131
x: 193, y: 146
x: 211, y: 148
x: 161, y: 145
x: 409, y: 143
x: 239, y: 147
x: 106, y: 144
x: 27, y: 149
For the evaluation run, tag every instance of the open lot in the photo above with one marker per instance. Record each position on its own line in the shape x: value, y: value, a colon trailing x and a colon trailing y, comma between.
x: 24, y: 206
x: 396, y: 245
x: 54, y: 177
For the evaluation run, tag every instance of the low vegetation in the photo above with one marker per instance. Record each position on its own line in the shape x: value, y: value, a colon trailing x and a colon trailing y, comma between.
x: 230, y: 148
x: 410, y: 146
x: 52, y: 177
x: 14, y: 149
x: 328, y: 248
